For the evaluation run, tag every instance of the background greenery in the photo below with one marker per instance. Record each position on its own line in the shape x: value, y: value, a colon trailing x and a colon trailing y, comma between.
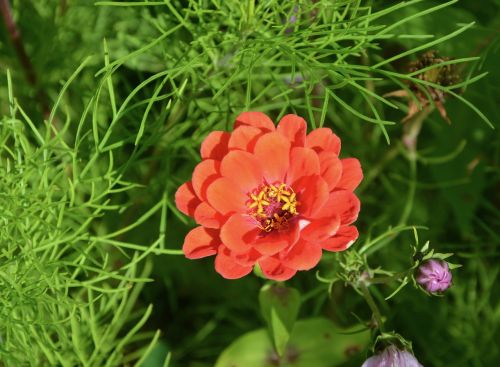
x: 93, y: 149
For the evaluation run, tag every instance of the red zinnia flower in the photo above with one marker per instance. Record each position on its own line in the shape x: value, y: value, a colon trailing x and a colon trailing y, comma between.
x: 270, y: 196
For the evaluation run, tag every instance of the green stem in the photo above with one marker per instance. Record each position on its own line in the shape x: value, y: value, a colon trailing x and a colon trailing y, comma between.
x: 373, y: 306
x: 410, y: 138
x: 412, y: 129
x: 388, y: 279
x: 251, y: 10
x: 411, y: 190
x: 374, y: 172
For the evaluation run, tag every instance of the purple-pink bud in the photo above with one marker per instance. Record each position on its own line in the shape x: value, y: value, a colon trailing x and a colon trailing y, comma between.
x: 434, y: 276
x: 392, y: 357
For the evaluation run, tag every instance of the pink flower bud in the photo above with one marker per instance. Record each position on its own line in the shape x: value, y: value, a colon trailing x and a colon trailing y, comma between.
x: 392, y: 357
x: 434, y: 276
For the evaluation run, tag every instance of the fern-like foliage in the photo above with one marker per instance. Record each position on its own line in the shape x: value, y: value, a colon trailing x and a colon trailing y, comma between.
x: 86, y: 191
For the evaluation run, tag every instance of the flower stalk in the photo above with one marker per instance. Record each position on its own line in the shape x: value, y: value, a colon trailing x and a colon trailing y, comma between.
x: 373, y: 306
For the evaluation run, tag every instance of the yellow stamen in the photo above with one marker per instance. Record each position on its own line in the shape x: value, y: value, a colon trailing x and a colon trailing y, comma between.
x: 273, y: 206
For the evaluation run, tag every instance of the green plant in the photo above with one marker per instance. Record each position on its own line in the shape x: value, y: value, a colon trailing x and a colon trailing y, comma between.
x: 88, y: 172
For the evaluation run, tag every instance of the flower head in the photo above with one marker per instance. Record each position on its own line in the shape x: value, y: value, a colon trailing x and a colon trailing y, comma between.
x: 445, y: 75
x: 434, y: 276
x: 392, y: 357
x: 271, y: 196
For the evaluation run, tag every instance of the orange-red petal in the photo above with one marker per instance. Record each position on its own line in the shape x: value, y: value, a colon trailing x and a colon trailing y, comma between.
x: 207, y: 216
x: 256, y: 153
x: 248, y: 258
x: 215, y: 145
x: 303, y: 162
x: 244, y: 138
x: 256, y: 119
x: 227, y: 267
x: 342, y: 203
x: 243, y: 168
x: 204, y: 174
x: 186, y: 199
x: 303, y: 255
x: 201, y: 242
x: 294, y: 128
x: 273, y: 151
x: 331, y: 168
x: 351, y: 174
x: 323, y: 139
x: 342, y: 240
x: 239, y: 232
x: 274, y: 269
x: 226, y: 197
x: 312, y: 193
x: 320, y: 229
x: 275, y: 241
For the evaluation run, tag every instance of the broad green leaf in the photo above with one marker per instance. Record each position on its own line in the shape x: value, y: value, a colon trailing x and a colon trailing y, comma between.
x: 315, y: 342
x: 279, y: 306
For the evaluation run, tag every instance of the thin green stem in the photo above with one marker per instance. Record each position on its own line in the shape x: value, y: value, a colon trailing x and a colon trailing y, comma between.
x: 410, y: 138
x: 388, y: 279
x: 411, y: 191
x: 251, y: 11
x: 373, y: 306
x: 374, y: 172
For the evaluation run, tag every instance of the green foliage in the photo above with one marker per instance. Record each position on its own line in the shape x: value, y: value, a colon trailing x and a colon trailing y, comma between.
x: 69, y: 283
x: 280, y: 307
x: 314, y: 342
x: 93, y: 150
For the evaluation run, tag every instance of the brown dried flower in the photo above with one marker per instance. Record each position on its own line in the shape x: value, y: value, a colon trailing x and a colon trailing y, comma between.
x: 444, y: 75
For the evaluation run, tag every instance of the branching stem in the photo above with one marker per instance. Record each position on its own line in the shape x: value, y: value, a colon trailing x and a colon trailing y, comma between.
x: 22, y: 55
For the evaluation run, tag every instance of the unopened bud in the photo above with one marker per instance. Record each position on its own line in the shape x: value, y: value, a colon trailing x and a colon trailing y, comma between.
x: 434, y: 276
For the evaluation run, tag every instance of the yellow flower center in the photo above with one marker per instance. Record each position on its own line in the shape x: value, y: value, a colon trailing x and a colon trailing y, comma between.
x: 272, y: 206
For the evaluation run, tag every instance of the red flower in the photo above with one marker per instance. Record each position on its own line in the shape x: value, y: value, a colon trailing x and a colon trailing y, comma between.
x: 270, y: 196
